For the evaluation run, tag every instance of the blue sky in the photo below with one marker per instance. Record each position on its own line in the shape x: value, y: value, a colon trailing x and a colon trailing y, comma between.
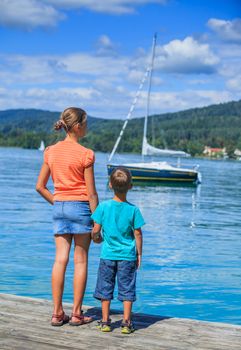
x: 93, y: 54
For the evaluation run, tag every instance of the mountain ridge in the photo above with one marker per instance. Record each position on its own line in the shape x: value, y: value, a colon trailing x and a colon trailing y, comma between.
x: 217, y: 125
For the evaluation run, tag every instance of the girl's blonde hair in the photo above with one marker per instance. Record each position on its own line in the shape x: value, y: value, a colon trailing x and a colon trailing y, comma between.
x: 70, y: 117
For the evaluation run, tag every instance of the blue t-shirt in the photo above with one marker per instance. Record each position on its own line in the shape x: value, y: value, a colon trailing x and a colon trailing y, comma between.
x: 118, y: 220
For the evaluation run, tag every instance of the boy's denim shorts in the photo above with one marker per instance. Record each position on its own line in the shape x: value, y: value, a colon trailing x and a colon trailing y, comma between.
x: 126, y: 279
x: 73, y: 217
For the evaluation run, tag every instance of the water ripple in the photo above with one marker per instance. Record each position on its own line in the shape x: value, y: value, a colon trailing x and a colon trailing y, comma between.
x: 192, y: 239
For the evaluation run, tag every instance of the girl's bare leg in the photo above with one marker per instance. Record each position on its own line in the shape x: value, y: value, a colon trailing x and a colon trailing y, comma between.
x: 63, y: 245
x: 82, y: 243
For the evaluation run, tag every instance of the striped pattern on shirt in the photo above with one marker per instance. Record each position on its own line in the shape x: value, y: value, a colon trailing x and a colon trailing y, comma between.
x: 67, y: 161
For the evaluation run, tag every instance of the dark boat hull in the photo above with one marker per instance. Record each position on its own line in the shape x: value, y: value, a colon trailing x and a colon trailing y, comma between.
x: 148, y: 175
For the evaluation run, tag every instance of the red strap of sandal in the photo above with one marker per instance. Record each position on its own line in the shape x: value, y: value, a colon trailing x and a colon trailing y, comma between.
x: 59, y: 317
x: 79, y: 316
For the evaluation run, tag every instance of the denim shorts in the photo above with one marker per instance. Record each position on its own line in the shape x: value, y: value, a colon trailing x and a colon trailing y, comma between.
x: 73, y: 217
x: 126, y: 279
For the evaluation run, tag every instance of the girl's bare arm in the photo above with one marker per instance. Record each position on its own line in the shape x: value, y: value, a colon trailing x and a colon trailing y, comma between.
x: 90, y: 186
x: 42, y: 182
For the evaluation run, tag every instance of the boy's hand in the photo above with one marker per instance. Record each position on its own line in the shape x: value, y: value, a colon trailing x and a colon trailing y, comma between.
x: 138, y: 238
x: 96, y: 237
x: 138, y: 261
x: 95, y: 234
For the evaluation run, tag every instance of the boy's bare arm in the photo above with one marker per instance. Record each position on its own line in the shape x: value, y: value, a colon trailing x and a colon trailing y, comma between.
x: 138, y: 238
x: 95, y: 234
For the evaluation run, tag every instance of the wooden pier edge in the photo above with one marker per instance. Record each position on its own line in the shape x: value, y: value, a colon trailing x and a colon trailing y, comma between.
x: 25, y: 325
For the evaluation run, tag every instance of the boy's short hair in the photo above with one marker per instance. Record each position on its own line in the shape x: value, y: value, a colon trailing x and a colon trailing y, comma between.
x: 120, y: 179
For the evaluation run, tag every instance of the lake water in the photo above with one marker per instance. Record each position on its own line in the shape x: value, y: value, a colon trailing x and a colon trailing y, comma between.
x: 192, y: 239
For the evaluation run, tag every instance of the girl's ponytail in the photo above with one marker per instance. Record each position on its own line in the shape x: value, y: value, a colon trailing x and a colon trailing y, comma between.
x: 69, y: 118
x: 59, y: 125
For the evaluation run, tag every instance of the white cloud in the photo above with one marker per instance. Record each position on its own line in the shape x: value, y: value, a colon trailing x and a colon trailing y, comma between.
x: 106, y: 85
x: 104, y: 41
x: 198, y: 81
x: 230, y: 68
x: 226, y: 30
x: 135, y: 77
x: 28, y: 14
x: 74, y: 94
x: 105, y: 46
x: 187, y: 56
x: 96, y: 66
x: 52, y: 99
x: 107, y: 6
x: 114, y: 104
x: 229, y: 50
x: 51, y: 82
x: 235, y: 83
x: 19, y: 69
x: 169, y: 101
x: 72, y: 68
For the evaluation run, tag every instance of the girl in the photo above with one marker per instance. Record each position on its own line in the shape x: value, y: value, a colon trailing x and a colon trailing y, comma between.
x: 71, y: 167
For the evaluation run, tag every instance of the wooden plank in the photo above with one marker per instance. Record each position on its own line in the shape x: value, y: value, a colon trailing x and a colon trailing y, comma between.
x: 25, y: 325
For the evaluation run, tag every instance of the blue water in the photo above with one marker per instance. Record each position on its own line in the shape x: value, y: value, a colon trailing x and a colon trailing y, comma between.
x: 192, y: 239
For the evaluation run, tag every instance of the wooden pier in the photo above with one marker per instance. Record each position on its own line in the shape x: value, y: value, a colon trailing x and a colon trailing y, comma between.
x: 25, y: 325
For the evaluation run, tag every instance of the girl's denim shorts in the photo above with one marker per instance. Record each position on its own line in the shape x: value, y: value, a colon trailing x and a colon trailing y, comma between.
x: 73, y: 217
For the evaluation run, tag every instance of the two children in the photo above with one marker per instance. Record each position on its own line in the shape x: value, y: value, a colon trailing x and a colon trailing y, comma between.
x: 71, y: 167
x: 120, y: 222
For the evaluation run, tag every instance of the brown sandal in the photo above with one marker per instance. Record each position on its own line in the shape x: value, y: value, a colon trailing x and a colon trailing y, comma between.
x: 82, y: 319
x: 62, y: 319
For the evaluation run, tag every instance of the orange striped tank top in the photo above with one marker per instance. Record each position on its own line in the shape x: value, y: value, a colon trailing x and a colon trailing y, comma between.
x: 67, y: 160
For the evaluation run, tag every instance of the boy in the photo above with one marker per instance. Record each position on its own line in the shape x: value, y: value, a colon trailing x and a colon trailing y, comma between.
x: 121, y: 224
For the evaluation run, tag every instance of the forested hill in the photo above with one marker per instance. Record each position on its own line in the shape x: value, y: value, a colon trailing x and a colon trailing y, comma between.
x: 189, y: 130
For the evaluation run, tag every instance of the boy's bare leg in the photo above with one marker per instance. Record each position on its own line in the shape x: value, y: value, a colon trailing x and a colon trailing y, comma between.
x: 127, y: 310
x: 105, y: 310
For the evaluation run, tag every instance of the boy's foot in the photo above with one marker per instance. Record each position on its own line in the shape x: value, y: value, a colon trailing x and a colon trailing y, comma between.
x: 104, y: 326
x: 127, y: 327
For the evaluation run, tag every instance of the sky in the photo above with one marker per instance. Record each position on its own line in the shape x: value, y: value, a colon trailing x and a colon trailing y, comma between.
x: 93, y: 54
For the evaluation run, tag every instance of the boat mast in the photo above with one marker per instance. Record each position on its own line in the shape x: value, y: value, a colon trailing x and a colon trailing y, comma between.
x: 144, y: 142
x: 130, y: 113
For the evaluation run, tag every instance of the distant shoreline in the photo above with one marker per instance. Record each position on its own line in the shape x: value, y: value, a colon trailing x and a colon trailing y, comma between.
x: 136, y: 153
x: 192, y: 131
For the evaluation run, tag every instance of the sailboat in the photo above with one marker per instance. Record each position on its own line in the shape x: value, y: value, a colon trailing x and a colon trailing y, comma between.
x: 153, y: 172
x: 42, y: 146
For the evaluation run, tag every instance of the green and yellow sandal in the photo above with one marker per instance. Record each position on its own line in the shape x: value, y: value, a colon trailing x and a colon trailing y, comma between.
x: 127, y: 327
x: 104, y: 326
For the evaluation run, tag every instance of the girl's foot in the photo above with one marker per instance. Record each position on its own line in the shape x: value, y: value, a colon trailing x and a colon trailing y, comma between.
x: 59, y: 320
x: 104, y: 326
x: 79, y: 319
x: 127, y: 327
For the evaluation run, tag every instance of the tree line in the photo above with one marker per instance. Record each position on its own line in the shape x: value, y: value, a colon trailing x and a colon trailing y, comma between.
x: 190, y: 130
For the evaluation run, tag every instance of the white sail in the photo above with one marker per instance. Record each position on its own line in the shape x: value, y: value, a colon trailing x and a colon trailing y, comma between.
x: 148, y: 150
x: 153, y: 171
x: 42, y: 146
